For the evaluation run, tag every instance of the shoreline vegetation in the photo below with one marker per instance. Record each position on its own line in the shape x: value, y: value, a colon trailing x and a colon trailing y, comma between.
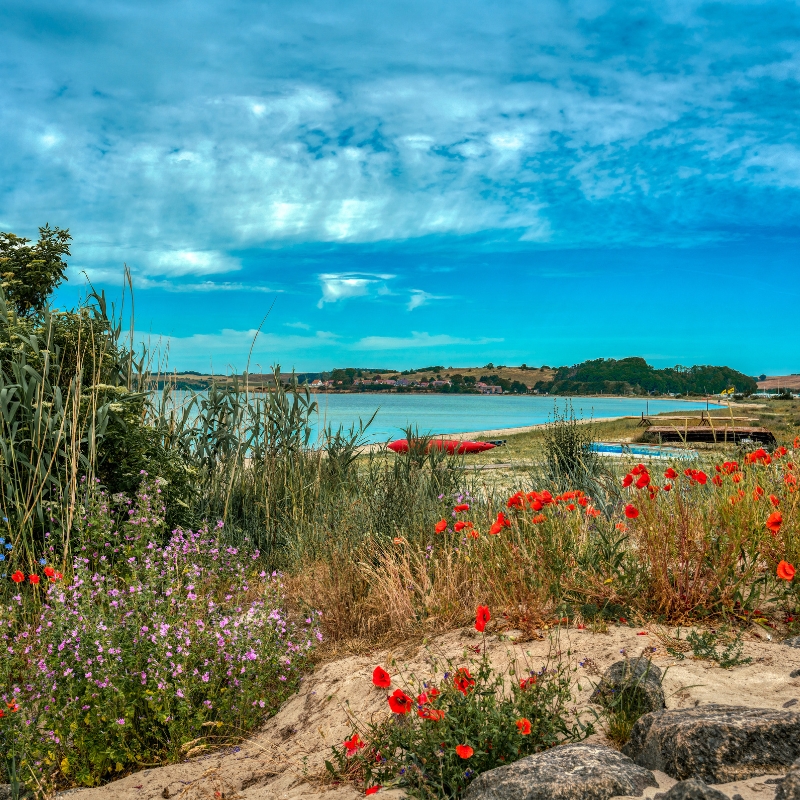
x: 170, y: 570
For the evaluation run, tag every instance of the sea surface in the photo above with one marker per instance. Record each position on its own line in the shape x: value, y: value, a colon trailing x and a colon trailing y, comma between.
x: 456, y: 413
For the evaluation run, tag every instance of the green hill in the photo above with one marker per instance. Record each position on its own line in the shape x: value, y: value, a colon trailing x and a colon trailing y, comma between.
x: 636, y: 376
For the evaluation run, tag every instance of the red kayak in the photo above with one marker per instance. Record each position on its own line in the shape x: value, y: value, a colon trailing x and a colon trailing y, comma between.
x: 451, y: 446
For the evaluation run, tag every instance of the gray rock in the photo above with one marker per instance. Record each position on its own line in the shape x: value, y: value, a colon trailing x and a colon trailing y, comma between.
x: 635, y: 683
x: 793, y: 642
x: 716, y: 743
x: 789, y: 787
x: 693, y: 789
x: 795, y: 674
x: 566, y: 772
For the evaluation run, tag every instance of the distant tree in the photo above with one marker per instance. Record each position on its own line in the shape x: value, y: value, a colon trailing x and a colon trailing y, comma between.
x: 30, y: 273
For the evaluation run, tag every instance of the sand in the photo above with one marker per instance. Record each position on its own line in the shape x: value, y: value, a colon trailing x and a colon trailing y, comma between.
x: 285, y: 760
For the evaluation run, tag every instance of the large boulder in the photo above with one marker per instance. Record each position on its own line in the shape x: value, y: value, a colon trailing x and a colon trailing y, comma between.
x: 634, y: 684
x: 716, y: 743
x: 566, y: 772
x: 789, y: 787
x: 693, y: 789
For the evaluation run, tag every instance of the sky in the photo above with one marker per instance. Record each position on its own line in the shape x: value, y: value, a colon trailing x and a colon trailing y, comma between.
x: 396, y: 185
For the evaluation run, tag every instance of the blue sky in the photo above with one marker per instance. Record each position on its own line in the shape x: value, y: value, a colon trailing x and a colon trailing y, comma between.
x: 412, y: 183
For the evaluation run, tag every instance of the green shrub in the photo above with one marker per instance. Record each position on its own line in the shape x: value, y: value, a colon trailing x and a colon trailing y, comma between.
x: 441, y: 735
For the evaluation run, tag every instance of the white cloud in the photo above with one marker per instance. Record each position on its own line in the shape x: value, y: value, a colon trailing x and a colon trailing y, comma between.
x: 177, y: 263
x: 420, y: 298
x: 230, y: 346
x: 203, y: 286
x: 301, y: 325
x: 418, y: 340
x: 342, y: 286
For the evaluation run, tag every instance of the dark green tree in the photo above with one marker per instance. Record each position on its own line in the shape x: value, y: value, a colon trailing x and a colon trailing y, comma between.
x: 30, y: 273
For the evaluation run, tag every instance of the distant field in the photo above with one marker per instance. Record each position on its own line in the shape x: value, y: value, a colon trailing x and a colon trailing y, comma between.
x: 528, y: 376
x: 775, y: 382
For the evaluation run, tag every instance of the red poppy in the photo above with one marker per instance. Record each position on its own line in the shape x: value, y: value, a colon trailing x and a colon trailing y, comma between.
x: 373, y: 790
x: 463, y: 681
x: 700, y: 477
x: 758, y: 492
x: 381, y: 678
x: 49, y: 571
x: 667, y: 487
x: 2, y: 713
x: 482, y: 616
x: 495, y: 529
x: 526, y: 683
x: 627, y: 480
x: 524, y: 726
x: 12, y: 706
x: 516, y: 500
x: 474, y: 534
x: 785, y: 571
x: 57, y: 577
x: 433, y: 692
x: 774, y: 522
x: 400, y: 702
x: 464, y: 751
x: 670, y: 474
x: 638, y: 469
x: 716, y: 480
x: 774, y: 500
x: 441, y: 525
x: 432, y: 714
x: 571, y: 507
x: 459, y: 526
x: 790, y: 480
x: 34, y: 579
x: 538, y: 519
x: 461, y: 507
x: 736, y: 477
x: 353, y: 744
x: 592, y: 512
x: 631, y: 512
x: 503, y: 519
x: 759, y: 457
x: 642, y: 481
x: 17, y: 577
x: 583, y: 501
x: 621, y: 527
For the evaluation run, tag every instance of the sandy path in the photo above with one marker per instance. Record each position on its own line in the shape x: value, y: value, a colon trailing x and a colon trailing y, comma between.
x: 285, y: 759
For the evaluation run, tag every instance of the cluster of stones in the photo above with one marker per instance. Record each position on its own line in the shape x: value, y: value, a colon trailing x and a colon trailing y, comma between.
x: 699, y: 746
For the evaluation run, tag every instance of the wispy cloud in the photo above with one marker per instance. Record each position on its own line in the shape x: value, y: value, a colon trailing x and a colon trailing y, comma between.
x: 343, y: 286
x: 419, y: 340
x: 420, y: 298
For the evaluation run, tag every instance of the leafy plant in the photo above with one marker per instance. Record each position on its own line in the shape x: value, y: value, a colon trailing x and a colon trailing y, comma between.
x: 29, y: 274
x: 704, y: 646
x: 443, y: 734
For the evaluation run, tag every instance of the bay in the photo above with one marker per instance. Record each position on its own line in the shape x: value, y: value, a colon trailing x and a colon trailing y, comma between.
x: 454, y: 413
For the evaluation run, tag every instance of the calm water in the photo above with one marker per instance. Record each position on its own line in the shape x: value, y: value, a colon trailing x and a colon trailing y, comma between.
x: 453, y: 413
